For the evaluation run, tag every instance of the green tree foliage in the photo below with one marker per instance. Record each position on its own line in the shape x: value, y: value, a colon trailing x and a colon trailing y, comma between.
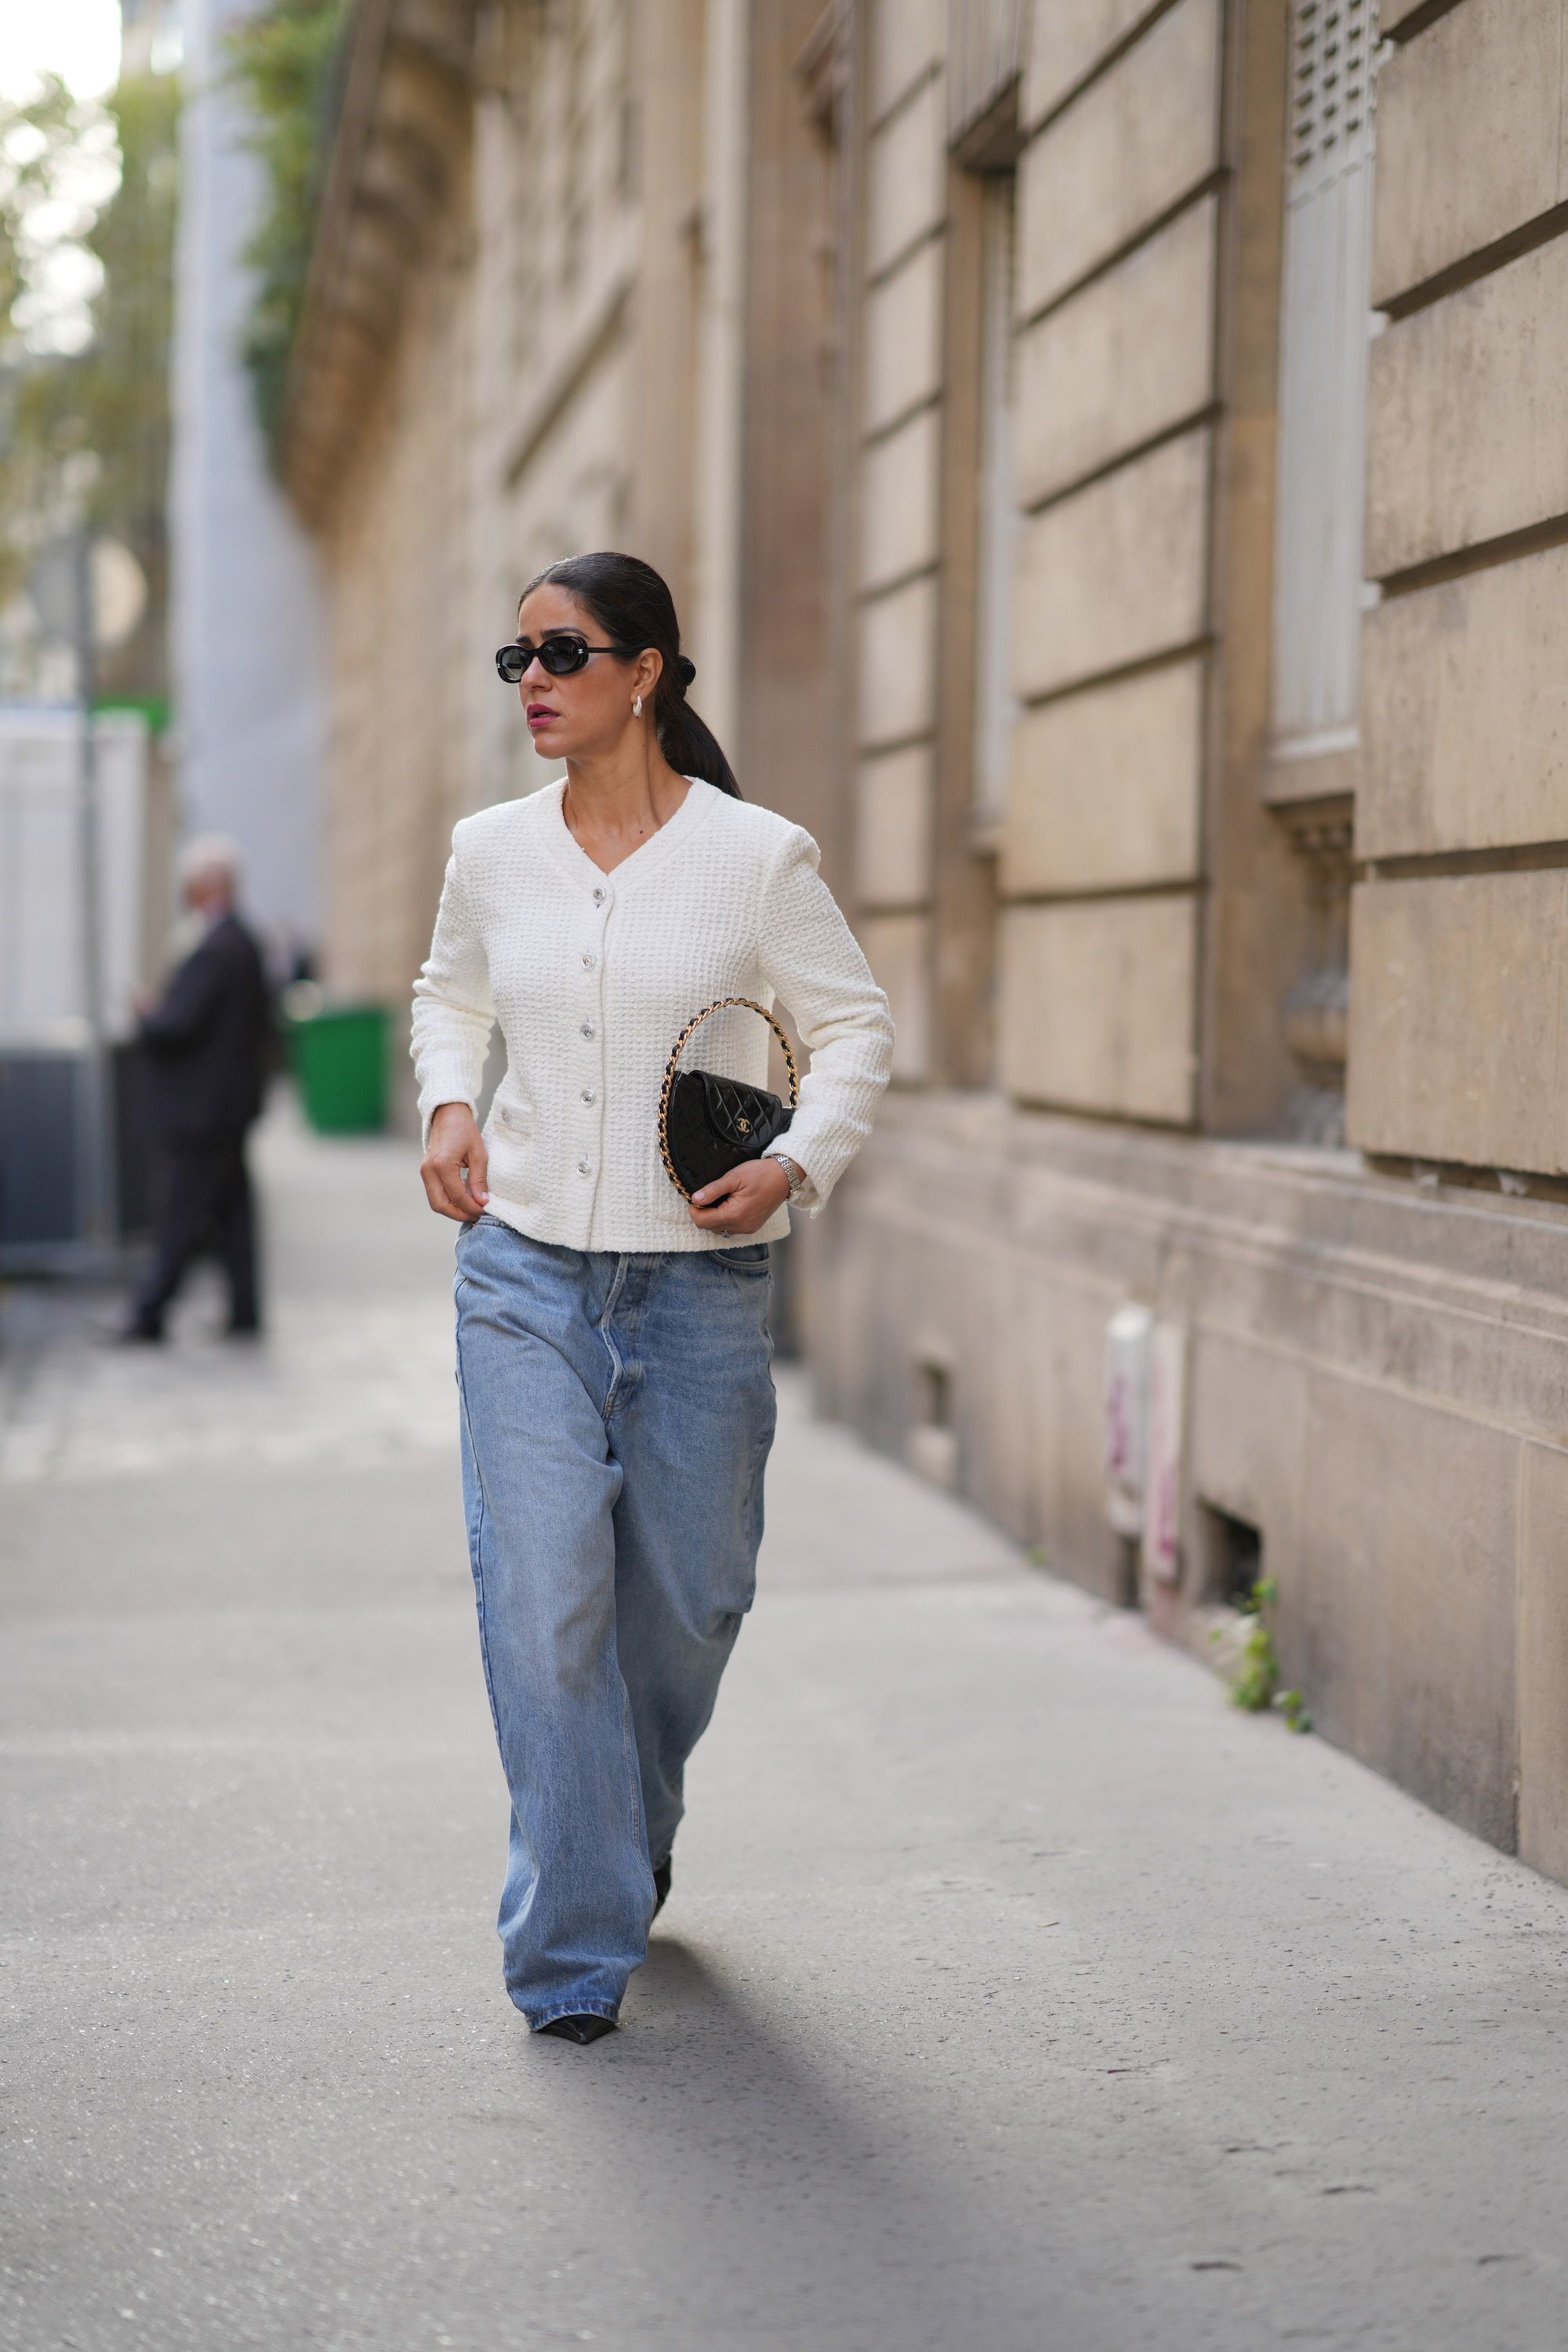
x: 84, y: 433
x: 125, y: 377
x: 36, y: 135
x: 41, y: 139
x: 284, y: 57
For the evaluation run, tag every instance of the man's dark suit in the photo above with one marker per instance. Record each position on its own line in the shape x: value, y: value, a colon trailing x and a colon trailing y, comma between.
x: 207, y: 1048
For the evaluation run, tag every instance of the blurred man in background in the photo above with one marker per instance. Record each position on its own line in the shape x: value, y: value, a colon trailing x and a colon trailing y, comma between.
x: 207, y: 1042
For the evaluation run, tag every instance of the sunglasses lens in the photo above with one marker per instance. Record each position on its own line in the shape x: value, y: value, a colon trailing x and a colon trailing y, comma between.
x: 561, y: 656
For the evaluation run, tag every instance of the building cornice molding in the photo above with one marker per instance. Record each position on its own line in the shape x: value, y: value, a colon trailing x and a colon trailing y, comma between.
x: 402, y: 131
x: 1408, y: 1283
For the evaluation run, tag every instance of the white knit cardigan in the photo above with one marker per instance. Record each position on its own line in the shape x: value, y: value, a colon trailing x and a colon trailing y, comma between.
x: 593, y: 975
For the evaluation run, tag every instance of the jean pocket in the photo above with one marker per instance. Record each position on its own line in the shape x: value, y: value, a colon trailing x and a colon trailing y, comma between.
x: 484, y: 1220
x: 751, y: 1257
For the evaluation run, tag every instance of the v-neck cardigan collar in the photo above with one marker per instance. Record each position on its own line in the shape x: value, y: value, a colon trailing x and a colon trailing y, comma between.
x: 642, y: 861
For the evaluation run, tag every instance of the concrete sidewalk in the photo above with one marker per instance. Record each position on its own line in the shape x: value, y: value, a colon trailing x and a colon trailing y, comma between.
x: 1015, y: 1992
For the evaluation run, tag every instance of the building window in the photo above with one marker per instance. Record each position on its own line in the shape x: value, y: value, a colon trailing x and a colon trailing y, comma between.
x: 1322, y: 378
x: 996, y: 708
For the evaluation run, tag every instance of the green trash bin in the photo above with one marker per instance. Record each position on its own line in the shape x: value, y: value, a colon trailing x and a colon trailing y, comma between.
x: 340, y: 1064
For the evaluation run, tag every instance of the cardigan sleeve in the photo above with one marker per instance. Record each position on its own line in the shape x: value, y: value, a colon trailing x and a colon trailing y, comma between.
x: 811, y: 960
x: 453, y: 1010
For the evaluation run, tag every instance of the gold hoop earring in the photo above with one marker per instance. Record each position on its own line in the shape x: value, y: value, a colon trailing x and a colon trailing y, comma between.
x: 636, y: 705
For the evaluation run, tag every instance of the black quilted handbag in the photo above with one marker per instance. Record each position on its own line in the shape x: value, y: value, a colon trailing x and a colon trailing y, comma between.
x: 707, y: 1125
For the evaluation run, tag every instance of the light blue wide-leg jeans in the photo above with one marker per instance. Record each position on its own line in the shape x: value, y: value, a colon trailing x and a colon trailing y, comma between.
x: 618, y: 1410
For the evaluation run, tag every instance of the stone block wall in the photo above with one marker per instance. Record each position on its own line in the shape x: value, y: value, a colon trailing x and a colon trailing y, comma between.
x: 1119, y: 225
x: 1462, y: 810
x: 896, y: 491
x: 1377, y: 1353
x: 1377, y: 1384
x: 401, y: 642
x: 1114, y: 340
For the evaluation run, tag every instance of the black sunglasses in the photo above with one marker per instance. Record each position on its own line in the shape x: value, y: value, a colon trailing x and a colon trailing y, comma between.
x: 562, y: 654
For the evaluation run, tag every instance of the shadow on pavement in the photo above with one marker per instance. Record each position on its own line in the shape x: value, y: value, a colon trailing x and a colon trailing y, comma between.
x: 764, y: 2192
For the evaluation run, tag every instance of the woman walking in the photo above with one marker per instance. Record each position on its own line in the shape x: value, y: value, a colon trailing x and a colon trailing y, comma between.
x: 613, y: 1349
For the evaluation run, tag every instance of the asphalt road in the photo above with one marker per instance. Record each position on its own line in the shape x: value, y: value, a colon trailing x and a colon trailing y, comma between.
x: 1015, y: 1993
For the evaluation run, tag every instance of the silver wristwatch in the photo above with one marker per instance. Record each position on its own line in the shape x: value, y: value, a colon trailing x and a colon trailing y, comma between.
x: 795, y: 1174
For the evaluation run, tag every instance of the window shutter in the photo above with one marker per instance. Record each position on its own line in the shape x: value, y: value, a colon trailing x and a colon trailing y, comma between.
x: 1322, y: 376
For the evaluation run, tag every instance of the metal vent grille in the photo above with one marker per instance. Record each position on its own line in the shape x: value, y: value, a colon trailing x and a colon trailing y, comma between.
x: 1332, y: 84
x: 1322, y: 377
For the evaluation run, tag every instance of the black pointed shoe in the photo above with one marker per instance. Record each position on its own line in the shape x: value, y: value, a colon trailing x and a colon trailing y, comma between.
x: 584, y: 2029
x: 661, y: 1886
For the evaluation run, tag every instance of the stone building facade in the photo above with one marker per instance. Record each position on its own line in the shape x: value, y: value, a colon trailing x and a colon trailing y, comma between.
x: 521, y: 337
x: 1106, y: 454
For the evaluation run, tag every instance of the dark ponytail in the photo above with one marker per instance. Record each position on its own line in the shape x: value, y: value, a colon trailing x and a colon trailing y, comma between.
x: 636, y: 610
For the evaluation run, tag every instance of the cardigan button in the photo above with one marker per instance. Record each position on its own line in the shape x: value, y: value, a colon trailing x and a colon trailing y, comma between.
x: 587, y: 1028
x: 588, y: 1094
x: 583, y: 1169
x: 590, y: 960
x: 598, y: 897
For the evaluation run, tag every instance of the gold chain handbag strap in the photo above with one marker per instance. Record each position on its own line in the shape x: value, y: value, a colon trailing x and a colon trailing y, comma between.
x: 719, y: 1004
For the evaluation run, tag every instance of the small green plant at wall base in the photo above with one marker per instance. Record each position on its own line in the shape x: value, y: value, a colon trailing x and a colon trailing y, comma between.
x: 1254, y: 1684
x: 1256, y: 1675
x: 1258, y: 1678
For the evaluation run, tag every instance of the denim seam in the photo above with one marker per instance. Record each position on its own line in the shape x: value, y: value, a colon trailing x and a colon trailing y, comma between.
x: 571, y: 2009
x: 634, y: 1299
x: 478, y: 1544
x: 628, y: 1731
x: 762, y: 1447
x: 617, y: 1365
x: 629, y: 1753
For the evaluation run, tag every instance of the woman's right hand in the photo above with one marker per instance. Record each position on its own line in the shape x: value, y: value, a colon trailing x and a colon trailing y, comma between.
x: 455, y: 1169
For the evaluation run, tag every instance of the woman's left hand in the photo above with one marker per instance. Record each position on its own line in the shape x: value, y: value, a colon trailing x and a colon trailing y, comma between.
x: 743, y: 1200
